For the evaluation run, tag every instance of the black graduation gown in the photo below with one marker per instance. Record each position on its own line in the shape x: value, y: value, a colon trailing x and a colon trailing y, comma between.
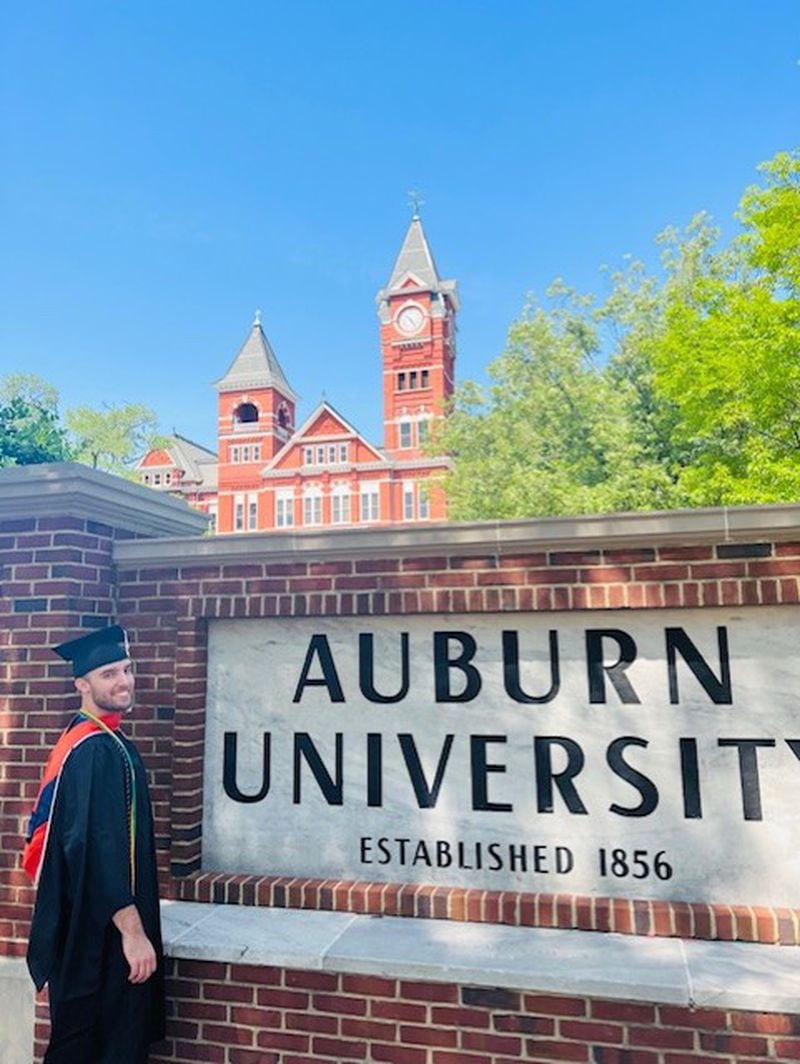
x: 97, y: 1016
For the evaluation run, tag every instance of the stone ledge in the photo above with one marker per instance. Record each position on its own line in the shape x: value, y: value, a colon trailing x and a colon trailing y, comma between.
x: 16, y: 1011
x: 734, y: 975
x: 78, y: 491
x: 717, y: 525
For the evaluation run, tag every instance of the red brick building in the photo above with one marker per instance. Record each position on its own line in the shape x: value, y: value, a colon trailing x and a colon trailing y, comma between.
x: 269, y: 473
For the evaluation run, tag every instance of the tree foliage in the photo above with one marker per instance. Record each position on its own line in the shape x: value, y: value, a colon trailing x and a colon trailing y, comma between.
x: 30, y: 434
x: 728, y: 355
x: 111, y: 438
x: 676, y: 389
x: 33, y: 431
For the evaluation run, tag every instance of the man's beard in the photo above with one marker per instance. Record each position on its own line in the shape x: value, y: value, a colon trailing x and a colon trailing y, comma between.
x: 110, y: 707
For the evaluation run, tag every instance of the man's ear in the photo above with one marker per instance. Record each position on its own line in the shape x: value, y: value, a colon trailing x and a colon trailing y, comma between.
x: 81, y: 685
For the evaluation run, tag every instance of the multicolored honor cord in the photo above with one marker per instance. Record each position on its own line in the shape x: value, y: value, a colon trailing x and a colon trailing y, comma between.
x: 132, y: 811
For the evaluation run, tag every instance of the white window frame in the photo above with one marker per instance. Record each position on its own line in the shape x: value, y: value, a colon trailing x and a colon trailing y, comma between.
x: 284, y: 509
x: 423, y: 500
x: 252, y: 513
x: 238, y: 513
x: 370, y: 502
x: 402, y: 427
x: 409, y: 500
x: 341, y: 504
x: 312, y: 507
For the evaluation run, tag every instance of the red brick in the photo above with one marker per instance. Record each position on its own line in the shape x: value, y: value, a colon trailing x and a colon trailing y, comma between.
x: 623, y: 1010
x: 459, y: 1017
x: 370, y: 1029
x: 589, y: 1031
x: 399, y: 1054
x: 429, y: 992
x: 681, y: 1016
x: 340, y: 1049
x: 283, y: 1040
x: 525, y: 1024
x: 764, y: 1023
x: 428, y: 1036
x: 541, y: 1049
x: 490, y: 1043
x: 693, y: 1058
x: 669, y: 1038
x: 227, y: 992
x: 352, y: 1006
x: 249, y: 1056
x: 553, y: 1005
x: 252, y: 1017
x: 787, y: 1049
x: 312, y: 980
x: 304, y: 1021
x: 227, y: 1034
x: 747, y: 1045
x: 398, y: 1010
x: 283, y: 999
x: 369, y: 985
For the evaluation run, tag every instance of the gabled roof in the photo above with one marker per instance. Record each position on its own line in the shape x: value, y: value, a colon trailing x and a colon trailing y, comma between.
x: 414, y: 268
x: 301, y: 434
x: 198, y: 463
x: 255, y: 366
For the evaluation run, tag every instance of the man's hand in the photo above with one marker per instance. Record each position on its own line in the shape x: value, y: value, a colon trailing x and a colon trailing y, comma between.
x: 136, y: 946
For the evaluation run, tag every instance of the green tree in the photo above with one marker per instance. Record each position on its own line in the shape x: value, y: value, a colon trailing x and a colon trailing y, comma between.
x: 112, y: 438
x: 31, y: 388
x: 675, y: 389
x: 728, y: 354
x: 555, y: 433
x: 30, y: 434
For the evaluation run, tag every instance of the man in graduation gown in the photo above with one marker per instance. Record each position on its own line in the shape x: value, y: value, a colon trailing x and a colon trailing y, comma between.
x: 95, y: 937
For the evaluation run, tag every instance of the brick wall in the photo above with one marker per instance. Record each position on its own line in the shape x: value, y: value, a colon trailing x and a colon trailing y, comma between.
x: 59, y: 575
x: 56, y: 578
x: 239, y: 1014
x: 173, y: 601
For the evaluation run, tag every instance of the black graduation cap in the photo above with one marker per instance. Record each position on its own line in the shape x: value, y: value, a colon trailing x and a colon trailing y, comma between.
x: 101, y: 647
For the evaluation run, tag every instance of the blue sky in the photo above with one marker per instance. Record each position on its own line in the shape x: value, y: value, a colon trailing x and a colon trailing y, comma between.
x: 169, y: 167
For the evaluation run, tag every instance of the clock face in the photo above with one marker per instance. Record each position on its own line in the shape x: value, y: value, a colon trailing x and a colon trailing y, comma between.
x: 410, y: 319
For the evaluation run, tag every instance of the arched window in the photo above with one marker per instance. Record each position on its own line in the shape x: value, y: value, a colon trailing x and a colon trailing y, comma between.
x: 284, y: 421
x: 246, y: 413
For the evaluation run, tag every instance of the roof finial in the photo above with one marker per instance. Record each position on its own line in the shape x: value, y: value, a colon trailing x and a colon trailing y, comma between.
x: 416, y: 201
x: 257, y: 318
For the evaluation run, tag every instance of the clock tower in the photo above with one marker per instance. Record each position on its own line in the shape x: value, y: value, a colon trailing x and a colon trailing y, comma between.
x: 417, y: 313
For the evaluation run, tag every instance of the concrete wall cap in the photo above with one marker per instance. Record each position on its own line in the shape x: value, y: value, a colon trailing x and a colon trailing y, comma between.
x: 767, y: 523
x: 75, y: 490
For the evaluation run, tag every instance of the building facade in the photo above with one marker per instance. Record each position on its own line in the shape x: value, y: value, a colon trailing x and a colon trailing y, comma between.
x: 270, y: 473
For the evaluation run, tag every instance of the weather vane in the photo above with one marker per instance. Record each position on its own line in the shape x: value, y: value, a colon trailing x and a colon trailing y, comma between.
x: 416, y: 201
x: 257, y: 318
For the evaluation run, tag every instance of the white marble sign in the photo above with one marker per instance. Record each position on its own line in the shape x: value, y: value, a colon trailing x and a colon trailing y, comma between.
x: 624, y: 753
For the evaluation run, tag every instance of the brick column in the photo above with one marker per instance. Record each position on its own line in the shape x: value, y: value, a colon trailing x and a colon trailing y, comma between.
x: 58, y: 524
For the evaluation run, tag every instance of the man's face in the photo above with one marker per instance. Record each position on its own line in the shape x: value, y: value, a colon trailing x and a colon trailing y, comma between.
x: 109, y: 688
